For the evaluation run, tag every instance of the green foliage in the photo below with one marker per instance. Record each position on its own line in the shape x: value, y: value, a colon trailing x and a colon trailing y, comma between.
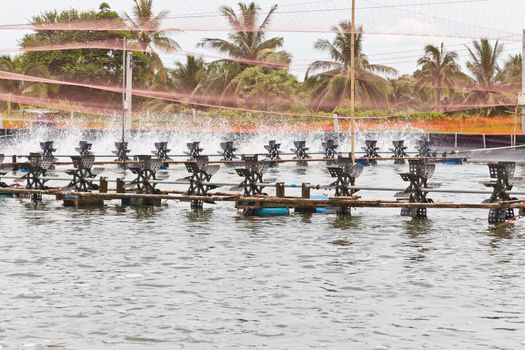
x: 267, y: 89
x: 240, y: 83
x: 187, y: 77
x: 439, y: 70
x: 484, y: 67
x: 511, y: 72
x: 425, y: 115
x: 346, y: 112
x: 242, y: 45
x: 20, y: 65
x: 152, y: 39
x: 330, y: 81
x: 15, y: 65
x: 101, y: 65
x: 247, y: 44
x: 97, y: 66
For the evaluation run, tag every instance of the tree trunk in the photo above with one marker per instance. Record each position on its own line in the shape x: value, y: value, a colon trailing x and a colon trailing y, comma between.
x: 438, y: 99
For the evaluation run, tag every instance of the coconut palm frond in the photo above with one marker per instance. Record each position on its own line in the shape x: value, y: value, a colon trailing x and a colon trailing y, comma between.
x: 266, y: 20
x: 439, y: 69
x: 246, y: 43
x: 484, y: 67
x: 334, y: 77
x: 150, y: 36
x: 164, y: 43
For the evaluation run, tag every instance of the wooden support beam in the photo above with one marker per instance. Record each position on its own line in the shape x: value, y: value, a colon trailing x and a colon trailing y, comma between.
x: 115, y: 195
x: 354, y: 202
x: 290, y: 202
x: 241, y: 162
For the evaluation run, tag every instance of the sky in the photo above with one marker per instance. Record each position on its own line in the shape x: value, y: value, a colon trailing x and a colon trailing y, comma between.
x: 395, y: 31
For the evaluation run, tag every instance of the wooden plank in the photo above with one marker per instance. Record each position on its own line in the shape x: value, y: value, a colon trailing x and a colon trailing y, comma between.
x: 291, y: 202
x: 349, y: 202
x: 114, y: 195
x: 240, y: 162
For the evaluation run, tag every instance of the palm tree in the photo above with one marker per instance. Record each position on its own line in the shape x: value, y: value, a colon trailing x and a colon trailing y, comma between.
x: 484, y: 67
x: 248, y: 39
x: 331, y: 79
x: 150, y: 36
x: 402, y: 92
x: 439, y: 69
x: 511, y: 73
x: 246, y: 43
x: 187, y: 76
x: 19, y: 87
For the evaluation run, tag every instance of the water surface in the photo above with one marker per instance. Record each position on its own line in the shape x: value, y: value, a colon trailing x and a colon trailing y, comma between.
x: 171, y: 278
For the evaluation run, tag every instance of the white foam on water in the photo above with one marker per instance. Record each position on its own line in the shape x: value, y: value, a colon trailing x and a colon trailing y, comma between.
x: 66, y: 140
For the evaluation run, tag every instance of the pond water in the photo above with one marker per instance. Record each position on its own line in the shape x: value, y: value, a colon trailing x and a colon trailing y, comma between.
x: 171, y: 278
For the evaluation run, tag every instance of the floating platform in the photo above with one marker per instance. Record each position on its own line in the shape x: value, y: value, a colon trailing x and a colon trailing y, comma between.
x: 265, y: 201
x: 141, y: 202
x: 72, y: 200
x: 413, y: 200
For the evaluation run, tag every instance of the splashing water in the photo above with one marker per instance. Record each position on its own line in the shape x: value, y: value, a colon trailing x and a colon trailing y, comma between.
x: 247, y: 142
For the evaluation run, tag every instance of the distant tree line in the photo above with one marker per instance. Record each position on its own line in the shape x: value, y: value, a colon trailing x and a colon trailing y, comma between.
x: 256, y: 73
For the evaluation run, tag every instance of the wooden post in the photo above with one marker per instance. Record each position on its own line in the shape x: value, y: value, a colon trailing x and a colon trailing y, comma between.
x: 305, y: 190
x: 279, y: 189
x: 121, y: 186
x: 14, y: 159
x: 103, y: 185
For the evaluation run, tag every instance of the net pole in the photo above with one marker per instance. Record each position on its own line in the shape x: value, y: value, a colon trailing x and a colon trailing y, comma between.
x: 352, y: 82
x: 129, y: 86
x: 515, y: 136
x: 123, y: 121
x: 522, y: 83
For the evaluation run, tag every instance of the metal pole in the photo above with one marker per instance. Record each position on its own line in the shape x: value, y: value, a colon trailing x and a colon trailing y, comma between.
x: 523, y: 84
x: 336, y: 123
x: 515, y: 136
x: 129, y: 86
x: 352, y: 80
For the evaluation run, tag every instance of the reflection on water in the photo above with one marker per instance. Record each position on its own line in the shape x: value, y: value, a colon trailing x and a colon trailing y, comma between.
x: 34, y: 205
x: 420, y: 233
x: 501, y: 235
x: 416, y: 228
x: 306, y: 218
x: 346, y: 221
x: 202, y: 216
x: 300, y: 169
x: 145, y: 212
